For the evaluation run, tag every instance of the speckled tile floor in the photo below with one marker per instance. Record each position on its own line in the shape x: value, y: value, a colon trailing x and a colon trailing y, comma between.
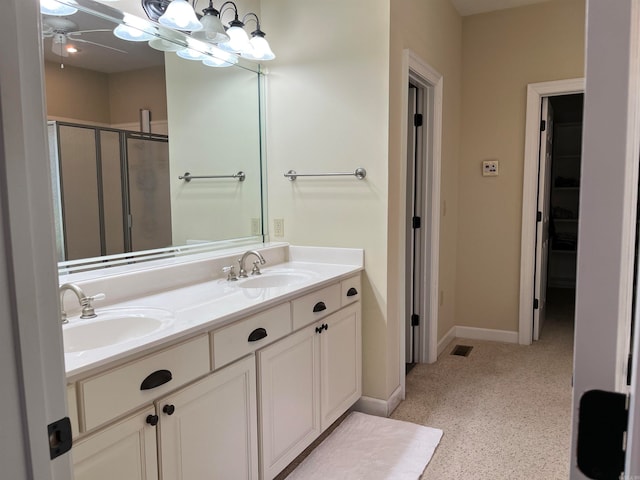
x: 505, y: 409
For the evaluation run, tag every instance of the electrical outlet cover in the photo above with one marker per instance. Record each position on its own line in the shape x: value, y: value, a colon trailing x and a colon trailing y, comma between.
x: 490, y: 168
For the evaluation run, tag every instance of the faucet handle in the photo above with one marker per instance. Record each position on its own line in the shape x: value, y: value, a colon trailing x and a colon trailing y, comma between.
x: 87, y: 307
x: 231, y: 273
x: 256, y: 269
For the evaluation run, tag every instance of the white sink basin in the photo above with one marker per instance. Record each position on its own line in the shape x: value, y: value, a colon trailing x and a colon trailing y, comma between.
x: 112, y: 327
x: 271, y: 280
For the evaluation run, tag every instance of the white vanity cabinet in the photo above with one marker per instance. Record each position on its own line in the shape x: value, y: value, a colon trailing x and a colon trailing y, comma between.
x: 209, y: 429
x: 239, y: 401
x: 306, y: 381
x: 124, y: 450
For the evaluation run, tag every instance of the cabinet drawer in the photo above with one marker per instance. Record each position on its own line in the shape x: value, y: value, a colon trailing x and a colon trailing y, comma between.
x: 315, y: 305
x: 250, y: 334
x: 118, y: 391
x: 351, y: 290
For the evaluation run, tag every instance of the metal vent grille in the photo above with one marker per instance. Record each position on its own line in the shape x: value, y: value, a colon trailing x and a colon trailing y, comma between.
x: 461, y: 350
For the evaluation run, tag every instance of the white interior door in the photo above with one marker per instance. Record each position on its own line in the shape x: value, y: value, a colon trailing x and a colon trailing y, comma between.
x: 542, y: 230
x: 608, y: 200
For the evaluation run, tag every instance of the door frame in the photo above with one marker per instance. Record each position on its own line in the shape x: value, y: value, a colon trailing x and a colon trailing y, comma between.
x: 421, y: 73
x: 535, y: 93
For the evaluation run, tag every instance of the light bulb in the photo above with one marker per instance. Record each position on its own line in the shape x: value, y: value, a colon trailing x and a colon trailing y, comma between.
x: 212, y: 29
x: 180, y: 15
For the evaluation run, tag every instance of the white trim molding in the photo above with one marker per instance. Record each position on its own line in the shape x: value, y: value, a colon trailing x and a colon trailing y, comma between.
x: 489, y: 334
x: 416, y: 69
x: 535, y: 93
x: 446, y: 340
x: 380, y: 408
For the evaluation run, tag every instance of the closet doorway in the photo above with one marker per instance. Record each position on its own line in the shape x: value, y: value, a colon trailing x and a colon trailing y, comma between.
x: 558, y: 209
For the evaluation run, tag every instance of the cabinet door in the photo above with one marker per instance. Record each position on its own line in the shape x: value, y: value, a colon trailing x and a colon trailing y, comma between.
x: 289, y: 399
x: 125, y: 450
x: 341, y: 363
x: 209, y: 429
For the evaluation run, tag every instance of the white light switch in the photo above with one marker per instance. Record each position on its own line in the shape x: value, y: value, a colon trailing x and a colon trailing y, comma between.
x: 490, y: 168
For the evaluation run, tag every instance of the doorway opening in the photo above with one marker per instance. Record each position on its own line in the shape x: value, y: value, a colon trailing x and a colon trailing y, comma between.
x: 419, y: 217
x: 558, y: 210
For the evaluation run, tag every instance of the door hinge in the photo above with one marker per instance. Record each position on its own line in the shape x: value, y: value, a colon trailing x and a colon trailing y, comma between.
x: 539, y: 217
x: 415, y: 320
x: 543, y: 125
x: 416, y: 222
x: 418, y: 120
x: 536, y: 304
x: 629, y: 368
x: 602, y: 427
x: 59, y: 437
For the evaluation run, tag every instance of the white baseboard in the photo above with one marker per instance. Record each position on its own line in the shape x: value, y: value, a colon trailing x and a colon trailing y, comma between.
x: 380, y: 408
x: 449, y: 336
x: 473, y: 333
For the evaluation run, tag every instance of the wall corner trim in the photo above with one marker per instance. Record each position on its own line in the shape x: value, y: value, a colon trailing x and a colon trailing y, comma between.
x: 378, y: 407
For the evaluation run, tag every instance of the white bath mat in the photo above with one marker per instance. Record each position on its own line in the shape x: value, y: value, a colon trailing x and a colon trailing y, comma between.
x: 372, y: 448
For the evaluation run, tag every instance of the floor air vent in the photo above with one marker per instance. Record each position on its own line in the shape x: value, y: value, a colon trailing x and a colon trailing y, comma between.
x: 461, y: 350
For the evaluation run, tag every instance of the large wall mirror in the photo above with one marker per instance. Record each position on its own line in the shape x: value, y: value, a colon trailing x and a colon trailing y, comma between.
x: 127, y: 122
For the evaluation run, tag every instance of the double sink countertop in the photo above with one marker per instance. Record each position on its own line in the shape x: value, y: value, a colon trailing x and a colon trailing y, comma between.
x: 203, y: 304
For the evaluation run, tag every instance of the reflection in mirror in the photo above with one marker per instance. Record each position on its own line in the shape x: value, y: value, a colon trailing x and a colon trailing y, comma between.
x: 126, y: 121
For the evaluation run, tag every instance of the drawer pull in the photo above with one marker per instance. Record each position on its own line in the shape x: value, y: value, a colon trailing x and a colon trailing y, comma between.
x: 169, y: 409
x: 152, y: 420
x: 257, y: 334
x: 155, y: 379
x: 319, y: 307
x: 352, y: 292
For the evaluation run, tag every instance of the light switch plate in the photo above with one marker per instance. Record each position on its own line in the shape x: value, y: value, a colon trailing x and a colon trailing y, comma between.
x: 490, y: 168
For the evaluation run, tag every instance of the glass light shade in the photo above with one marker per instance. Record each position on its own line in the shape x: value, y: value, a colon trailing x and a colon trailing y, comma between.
x: 221, y: 59
x: 164, y: 45
x: 59, y: 45
x: 131, y: 34
x: 238, y: 40
x: 52, y: 7
x: 191, y: 54
x: 212, y: 30
x: 180, y: 15
x: 260, y: 49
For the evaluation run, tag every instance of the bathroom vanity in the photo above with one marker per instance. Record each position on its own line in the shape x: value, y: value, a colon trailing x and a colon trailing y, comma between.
x: 234, y: 382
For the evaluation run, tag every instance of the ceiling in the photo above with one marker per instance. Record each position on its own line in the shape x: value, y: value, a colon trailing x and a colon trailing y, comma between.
x: 472, y: 7
x: 93, y: 57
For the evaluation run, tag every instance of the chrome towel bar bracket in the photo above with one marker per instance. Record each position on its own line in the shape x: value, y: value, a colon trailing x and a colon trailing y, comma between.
x: 359, y: 173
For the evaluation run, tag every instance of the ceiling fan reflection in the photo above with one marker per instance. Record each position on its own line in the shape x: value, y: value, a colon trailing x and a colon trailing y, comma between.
x: 63, y: 33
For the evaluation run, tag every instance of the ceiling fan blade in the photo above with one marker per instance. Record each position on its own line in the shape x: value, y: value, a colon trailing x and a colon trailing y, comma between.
x: 98, y: 45
x: 80, y: 32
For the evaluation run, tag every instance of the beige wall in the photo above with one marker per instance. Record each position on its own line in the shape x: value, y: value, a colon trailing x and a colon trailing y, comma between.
x: 76, y: 93
x: 137, y: 89
x: 502, y: 53
x: 433, y: 30
x: 80, y: 95
x: 327, y: 110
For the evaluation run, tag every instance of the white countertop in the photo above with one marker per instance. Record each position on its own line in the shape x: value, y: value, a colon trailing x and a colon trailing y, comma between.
x: 208, y: 305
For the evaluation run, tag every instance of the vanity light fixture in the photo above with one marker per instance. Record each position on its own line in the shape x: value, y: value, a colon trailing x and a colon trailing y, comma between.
x: 232, y: 38
x: 53, y: 7
x: 221, y: 58
x: 181, y: 16
x: 164, y: 45
x: 238, y: 38
x: 213, y: 30
x: 260, y: 49
x: 132, y: 30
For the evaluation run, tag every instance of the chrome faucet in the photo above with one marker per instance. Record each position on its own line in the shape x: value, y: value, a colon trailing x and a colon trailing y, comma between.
x: 85, y: 302
x: 256, y: 269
